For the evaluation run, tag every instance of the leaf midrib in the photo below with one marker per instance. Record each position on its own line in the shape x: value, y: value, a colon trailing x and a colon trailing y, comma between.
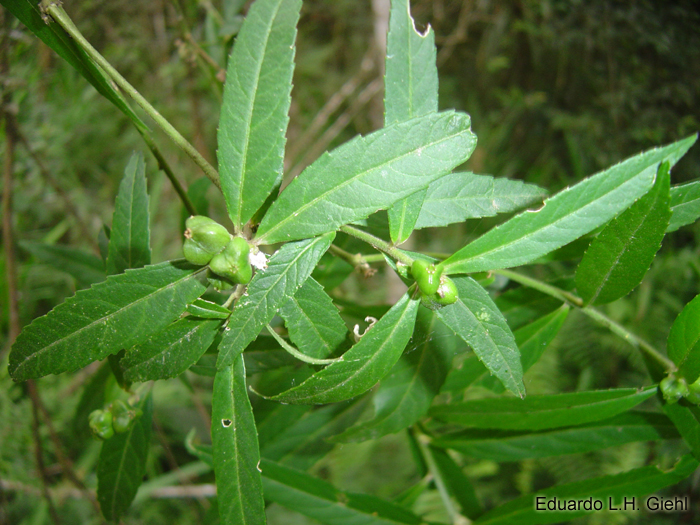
x: 346, y: 182
x: 547, y: 226
x: 41, y: 351
x: 249, y: 116
x: 367, y: 363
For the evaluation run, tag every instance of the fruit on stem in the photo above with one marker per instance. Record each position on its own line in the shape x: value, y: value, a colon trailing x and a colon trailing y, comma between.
x: 232, y: 263
x: 204, y: 238
x: 426, y: 275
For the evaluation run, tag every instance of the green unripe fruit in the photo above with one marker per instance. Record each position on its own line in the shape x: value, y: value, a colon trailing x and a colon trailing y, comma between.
x: 446, y: 294
x: 426, y: 275
x: 232, y: 263
x: 122, y: 416
x: 673, y: 389
x: 101, y: 423
x: 204, y: 238
x: 447, y: 291
x: 694, y: 392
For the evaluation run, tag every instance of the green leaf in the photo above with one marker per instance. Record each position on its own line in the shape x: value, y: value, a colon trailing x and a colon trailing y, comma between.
x: 457, y: 483
x: 687, y: 421
x: 129, y: 240
x: 208, y: 310
x: 368, y: 174
x: 254, y: 113
x: 459, y: 196
x: 521, y: 306
x: 54, y: 36
x: 235, y: 449
x: 410, y: 90
x: 122, y: 464
x: 479, y: 322
x: 506, y: 445
x: 405, y: 395
x: 170, y: 352
x: 313, y: 321
x: 608, y: 489
x: 542, y: 412
x: 124, y: 310
x: 287, y: 270
x: 303, y: 442
x: 684, y: 341
x: 321, y: 501
x: 619, y: 257
x: 463, y: 374
x: 92, y: 398
x: 566, y: 216
x: 364, y: 364
x: 685, y: 205
x: 85, y: 267
x: 532, y: 340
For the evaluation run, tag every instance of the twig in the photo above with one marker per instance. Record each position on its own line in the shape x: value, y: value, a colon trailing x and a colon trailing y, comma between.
x: 336, y: 128
x: 296, y: 353
x: 62, y: 18
x: 65, y: 462
x: 39, y: 453
x: 594, y: 314
x: 458, y: 35
x: 48, y: 176
x: 359, y: 261
x: 378, y: 243
x: 330, y: 107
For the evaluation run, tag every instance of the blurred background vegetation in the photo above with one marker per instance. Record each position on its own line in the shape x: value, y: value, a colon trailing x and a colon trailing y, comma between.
x: 557, y: 90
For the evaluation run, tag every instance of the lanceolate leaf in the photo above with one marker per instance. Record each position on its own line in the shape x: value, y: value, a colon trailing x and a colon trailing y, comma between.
x: 313, y: 321
x: 368, y: 174
x: 410, y: 90
x: 207, y: 310
x: 170, y: 352
x: 129, y: 240
x: 122, y: 464
x: 687, y: 421
x: 619, y: 257
x: 458, y: 484
x: 459, y: 196
x: 364, y: 364
x: 684, y: 341
x: 85, y: 267
x: 236, y: 457
x: 254, y: 113
x: 542, y: 412
x: 685, y: 205
x: 54, y: 36
x: 124, y: 310
x: 567, y: 215
x: 506, y: 445
x: 405, y: 395
x: 477, y: 320
x: 321, y: 501
x: 286, y: 272
x: 608, y: 489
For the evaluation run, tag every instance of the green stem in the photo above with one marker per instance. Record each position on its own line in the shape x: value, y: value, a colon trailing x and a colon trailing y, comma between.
x: 423, y: 441
x: 378, y: 243
x: 594, y: 314
x: 163, y: 164
x: 62, y: 18
x: 296, y: 353
x: 237, y: 293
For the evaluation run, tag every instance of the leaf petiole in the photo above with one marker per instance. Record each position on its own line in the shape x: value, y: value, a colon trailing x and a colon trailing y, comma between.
x: 296, y: 353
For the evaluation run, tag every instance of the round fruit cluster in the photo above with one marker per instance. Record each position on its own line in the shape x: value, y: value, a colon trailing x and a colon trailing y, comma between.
x: 207, y: 242
x: 436, y: 290
x: 676, y: 388
x: 118, y: 417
